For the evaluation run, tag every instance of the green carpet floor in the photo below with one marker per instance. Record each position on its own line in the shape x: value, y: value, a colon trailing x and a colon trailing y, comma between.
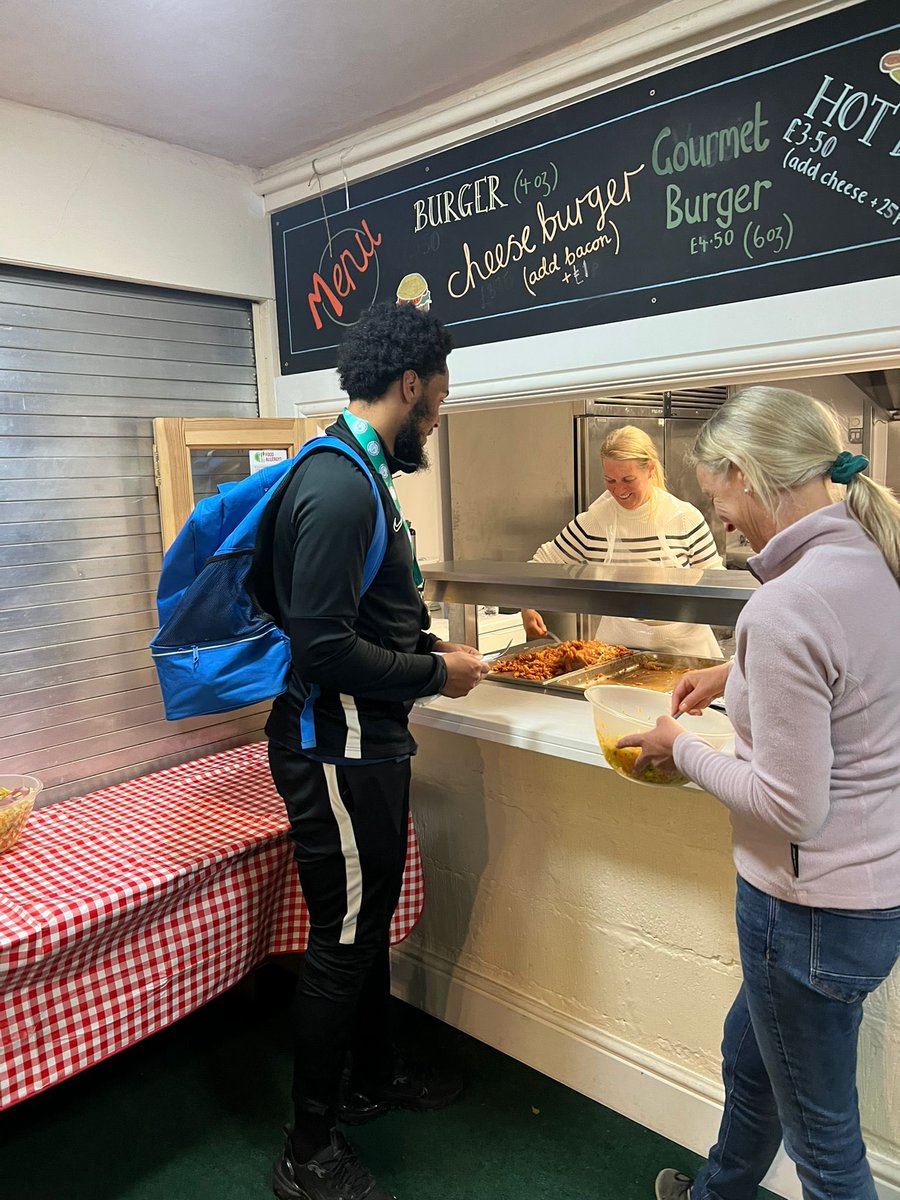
x: 195, y: 1113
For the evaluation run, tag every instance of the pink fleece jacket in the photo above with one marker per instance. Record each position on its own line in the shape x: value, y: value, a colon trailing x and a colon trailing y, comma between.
x: 814, y: 696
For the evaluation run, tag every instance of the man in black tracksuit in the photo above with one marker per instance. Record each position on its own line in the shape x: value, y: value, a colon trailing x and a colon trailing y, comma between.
x: 339, y: 740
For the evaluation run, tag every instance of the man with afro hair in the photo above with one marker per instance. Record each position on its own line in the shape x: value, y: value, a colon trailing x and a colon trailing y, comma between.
x: 339, y: 740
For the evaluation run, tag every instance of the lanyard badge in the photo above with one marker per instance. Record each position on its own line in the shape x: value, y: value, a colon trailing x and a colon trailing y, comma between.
x: 371, y: 445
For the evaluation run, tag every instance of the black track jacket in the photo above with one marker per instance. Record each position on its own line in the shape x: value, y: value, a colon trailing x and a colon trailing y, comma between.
x: 357, y: 663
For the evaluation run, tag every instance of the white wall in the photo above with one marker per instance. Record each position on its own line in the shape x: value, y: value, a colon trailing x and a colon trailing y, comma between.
x: 80, y: 197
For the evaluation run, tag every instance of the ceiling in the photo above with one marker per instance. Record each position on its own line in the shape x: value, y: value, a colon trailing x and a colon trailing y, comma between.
x: 259, y: 82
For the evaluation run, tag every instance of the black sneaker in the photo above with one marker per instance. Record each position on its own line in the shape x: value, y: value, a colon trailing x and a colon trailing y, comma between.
x: 335, y: 1173
x: 418, y: 1088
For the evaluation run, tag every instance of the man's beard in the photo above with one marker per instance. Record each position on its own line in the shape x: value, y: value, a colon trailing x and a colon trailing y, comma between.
x: 409, y: 448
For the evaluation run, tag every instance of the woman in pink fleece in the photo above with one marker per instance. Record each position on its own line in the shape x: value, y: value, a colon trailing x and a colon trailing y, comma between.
x: 813, y: 790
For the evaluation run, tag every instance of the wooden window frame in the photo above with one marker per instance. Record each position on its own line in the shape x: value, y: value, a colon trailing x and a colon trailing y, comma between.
x: 175, y: 437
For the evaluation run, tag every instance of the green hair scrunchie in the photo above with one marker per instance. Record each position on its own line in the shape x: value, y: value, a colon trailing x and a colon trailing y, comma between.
x: 847, y: 465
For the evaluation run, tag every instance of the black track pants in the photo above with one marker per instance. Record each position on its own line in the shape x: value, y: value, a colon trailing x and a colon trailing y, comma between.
x: 349, y: 828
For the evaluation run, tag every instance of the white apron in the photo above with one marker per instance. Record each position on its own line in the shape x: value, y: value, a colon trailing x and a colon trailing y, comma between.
x: 668, y: 637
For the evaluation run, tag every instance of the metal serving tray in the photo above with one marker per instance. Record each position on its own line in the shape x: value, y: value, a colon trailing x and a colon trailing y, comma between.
x: 626, y: 670
x: 557, y: 683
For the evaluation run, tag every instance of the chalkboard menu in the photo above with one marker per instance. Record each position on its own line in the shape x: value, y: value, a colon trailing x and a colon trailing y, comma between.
x: 770, y: 168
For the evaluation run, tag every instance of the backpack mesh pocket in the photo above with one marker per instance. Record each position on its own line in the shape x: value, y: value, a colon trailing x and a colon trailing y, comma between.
x: 216, y: 607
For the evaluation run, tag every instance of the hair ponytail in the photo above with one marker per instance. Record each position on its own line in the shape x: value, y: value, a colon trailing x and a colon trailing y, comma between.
x: 877, y: 509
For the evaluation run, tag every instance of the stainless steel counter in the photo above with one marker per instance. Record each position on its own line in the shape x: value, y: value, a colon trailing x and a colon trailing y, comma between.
x: 652, y: 593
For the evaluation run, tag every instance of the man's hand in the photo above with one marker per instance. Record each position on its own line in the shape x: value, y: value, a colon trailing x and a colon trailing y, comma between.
x: 695, y: 689
x: 465, y: 669
x: 534, y: 624
x: 440, y: 647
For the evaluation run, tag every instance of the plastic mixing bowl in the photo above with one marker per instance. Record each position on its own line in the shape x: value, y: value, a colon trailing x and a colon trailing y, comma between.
x: 17, y: 796
x: 620, y: 711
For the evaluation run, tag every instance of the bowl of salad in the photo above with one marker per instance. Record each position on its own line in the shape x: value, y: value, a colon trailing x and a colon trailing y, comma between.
x: 620, y: 711
x: 17, y: 796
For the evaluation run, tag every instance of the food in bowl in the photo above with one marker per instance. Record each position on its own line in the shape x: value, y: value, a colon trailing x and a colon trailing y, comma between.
x: 620, y: 711
x: 623, y: 760
x: 17, y: 796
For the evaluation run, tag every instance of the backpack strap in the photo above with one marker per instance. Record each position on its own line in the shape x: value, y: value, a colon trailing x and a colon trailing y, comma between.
x: 243, y: 537
x: 378, y: 545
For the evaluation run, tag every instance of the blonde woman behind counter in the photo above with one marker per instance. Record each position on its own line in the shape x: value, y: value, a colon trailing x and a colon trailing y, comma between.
x: 636, y: 522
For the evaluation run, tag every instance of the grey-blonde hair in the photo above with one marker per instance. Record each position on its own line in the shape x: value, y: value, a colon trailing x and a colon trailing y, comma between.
x: 627, y: 444
x: 780, y: 440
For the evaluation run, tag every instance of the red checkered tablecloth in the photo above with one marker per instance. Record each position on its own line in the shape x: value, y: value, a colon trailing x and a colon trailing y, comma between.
x: 126, y: 909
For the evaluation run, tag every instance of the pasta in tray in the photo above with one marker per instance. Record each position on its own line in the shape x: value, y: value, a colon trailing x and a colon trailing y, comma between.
x: 548, y: 662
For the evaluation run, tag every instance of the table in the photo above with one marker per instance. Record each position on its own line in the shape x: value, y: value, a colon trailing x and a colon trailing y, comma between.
x: 123, y: 910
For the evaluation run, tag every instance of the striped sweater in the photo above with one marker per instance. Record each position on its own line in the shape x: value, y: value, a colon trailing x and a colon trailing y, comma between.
x: 665, y: 531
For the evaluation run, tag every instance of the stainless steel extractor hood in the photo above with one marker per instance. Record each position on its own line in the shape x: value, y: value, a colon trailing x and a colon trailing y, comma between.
x: 882, y: 388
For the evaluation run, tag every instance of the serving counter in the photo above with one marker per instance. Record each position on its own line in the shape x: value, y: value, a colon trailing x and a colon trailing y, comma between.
x: 561, y: 726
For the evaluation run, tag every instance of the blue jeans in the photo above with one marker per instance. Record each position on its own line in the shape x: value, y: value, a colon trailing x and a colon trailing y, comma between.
x: 789, y: 1047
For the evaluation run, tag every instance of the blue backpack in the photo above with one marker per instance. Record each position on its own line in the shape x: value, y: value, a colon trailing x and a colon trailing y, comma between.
x: 216, y: 650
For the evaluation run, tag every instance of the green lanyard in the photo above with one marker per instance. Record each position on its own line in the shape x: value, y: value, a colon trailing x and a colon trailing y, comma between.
x: 371, y: 443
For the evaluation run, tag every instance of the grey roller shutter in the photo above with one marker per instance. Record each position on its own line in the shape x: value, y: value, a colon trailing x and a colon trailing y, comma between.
x: 85, y: 366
